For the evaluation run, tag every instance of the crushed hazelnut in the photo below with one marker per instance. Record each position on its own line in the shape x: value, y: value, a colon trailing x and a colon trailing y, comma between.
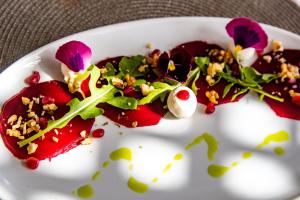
x: 129, y: 79
x: 134, y: 124
x: 117, y: 82
x: 288, y: 71
x: 30, y: 105
x: 277, y: 45
x: 146, y: 89
x: 14, y: 133
x: 212, y: 96
x: 282, y: 60
x: 25, y: 101
x: 31, y: 148
x: 56, y: 131
x: 55, y: 139
x: 142, y: 68
x: 267, y: 58
x: 214, y: 68
x: 36, y: 100
x: 50, y: 107
x: 292, y: 93
x: 11, y: 120
x: 210, y: 80
x: 87, y: 141
x: 83, y: 133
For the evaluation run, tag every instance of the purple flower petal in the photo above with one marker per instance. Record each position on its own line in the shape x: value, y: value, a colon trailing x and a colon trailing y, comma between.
x: 75, y: 55
x: 247, y: 33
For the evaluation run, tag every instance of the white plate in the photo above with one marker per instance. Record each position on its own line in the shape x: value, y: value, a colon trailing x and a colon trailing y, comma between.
x: 238, y: 126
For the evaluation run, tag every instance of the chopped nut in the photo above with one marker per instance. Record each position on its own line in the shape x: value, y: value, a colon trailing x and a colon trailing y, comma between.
x: 31, y: 114
x: 289, y: 71
x: 55, y: 139
x: 267, y: 58
x: 282, y: 60
x: 56, y: 131
x: 103, y: 70
x: 87, y: 141
x: 134, y: 124
x: 25, y: 101
x: 18, y: 124
x: 50, y: 107
x: 32, y: 147
x: 117, y: 82
x: 83, y: 133
x: 14, y: 133
x: 210, y: 80
x: 30, y: 105
x: 214, y: 68
x: 36, y: 100
x: 212, y: 96
x: 277, y: 45
x: 129, y: 79
x: 293, y: 93
x: 146, y: 89
x: 142, y: 68
x: 11, y: 120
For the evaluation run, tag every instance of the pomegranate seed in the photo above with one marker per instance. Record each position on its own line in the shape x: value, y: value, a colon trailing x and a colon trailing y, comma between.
x: 43, y: 121
x: 210, y: 108
x: 128, y: 90
x: 32, y: 163
x: 48, y: 100
x: 98, y: 133
x: 183, y: 95
x: 33, y: 79
x: 296, y: 100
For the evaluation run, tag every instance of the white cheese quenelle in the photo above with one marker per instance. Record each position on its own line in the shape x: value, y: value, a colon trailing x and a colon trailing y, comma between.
x: 182, y: 102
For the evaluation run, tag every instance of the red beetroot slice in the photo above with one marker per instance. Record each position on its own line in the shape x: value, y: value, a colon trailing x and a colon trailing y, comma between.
x: 201, y: 49
x: 288, y: 108
x: 68, y: 137
x: 145, y: 115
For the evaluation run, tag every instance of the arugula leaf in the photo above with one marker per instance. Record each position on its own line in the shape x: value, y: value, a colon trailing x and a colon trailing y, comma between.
x: 110, y: 69
x: 242, y: 91
x: 269, y: 77
x: 130, y: 65
x: 227, y: 89
x: 123, y: 102
x: 194, y: 87
x: 202, y: 63
x: 85, y: 108
x: 160, y: 89
x: 250, y: 75
x: 139, y: 82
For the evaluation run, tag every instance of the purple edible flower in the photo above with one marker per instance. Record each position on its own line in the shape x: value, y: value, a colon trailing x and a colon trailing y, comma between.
x: 247, y: 33
x: 175, y: 66
x: 75, y: 55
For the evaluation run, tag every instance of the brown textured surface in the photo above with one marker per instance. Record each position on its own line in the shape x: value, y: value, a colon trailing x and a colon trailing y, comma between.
x: 29, y: 24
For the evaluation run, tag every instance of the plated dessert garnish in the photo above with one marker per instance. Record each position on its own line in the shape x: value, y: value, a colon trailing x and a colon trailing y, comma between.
x: 47, y: 119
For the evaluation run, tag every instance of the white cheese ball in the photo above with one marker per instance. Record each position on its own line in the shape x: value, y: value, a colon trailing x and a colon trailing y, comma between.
x: 182, y: 102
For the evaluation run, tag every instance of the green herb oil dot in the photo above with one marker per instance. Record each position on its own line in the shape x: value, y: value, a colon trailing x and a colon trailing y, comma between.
x: 122, y: 153
x: 280, y: 136
x: 178, y: 156
x: 96, y: 175
x: 247, y: 155
x: 279, y: 151
x: 136, y: 185
x: 106, y: 164
x: 85, y: 191
x: 168, y: 167
x: 217, y: 171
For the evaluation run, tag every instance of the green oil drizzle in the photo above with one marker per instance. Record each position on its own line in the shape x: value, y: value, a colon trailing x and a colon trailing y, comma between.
x: 96, y: 175
x: 212, y: 144
x: 122, y: 153
x: 217, y: 171
x: 168, y: 167
x: 247, y: 155
x: 130, y: 167
x: 178, y: 156
x: 137, y: 186
x: 85, y: 191
x: 280, y: 136
x: 234, y: 164
x: 106, y: 164
x: 279, y: 151
x: 154, y: 180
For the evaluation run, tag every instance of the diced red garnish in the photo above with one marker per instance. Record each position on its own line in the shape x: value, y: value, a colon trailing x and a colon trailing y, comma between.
x: 98, y: 133
x: 43, y: 122
x: 210, y: 108
x: 32, y: 163
x: 33, y: 79
x: 69, y: 136
x: 183, y: 95
x: 289, y: 108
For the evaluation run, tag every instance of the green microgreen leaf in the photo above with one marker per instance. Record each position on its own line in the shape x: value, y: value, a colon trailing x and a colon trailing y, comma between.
x: 227, y: 89
x: 194, y: 86
x: 242, y: 91
x: 130, y: 65
x: 123, y: 102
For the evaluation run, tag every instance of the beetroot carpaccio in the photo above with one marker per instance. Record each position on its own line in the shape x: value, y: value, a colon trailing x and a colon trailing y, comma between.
x: 50, y: 118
